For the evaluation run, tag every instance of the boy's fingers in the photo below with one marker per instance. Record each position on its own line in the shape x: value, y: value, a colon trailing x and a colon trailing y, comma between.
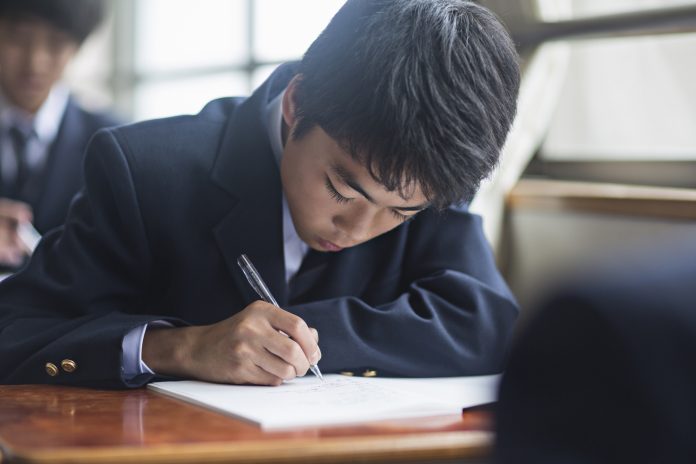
x: 290, y: 353
x: 276, y: 366
x: 296, y: 329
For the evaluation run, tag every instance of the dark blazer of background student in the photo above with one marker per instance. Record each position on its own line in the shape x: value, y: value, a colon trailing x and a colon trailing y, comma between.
x: 51, y: 191
x: 606, y: 372
x: 43, y: 131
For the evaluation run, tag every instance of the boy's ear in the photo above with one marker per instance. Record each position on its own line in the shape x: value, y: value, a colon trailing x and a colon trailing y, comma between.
x: 289, y: 107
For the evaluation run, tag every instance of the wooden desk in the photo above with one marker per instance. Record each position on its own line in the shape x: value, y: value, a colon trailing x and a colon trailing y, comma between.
x: 52, y: 424
x: 633, y: 200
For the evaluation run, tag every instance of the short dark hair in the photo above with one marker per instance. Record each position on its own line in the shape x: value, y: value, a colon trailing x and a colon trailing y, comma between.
x: 76, y: 17
x: 417, y: 90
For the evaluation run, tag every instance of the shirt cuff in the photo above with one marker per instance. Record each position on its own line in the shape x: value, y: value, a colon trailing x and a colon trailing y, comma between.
x: 132, y: 349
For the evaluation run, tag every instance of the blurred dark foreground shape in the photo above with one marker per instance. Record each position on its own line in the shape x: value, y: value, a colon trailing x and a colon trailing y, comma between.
x: 605, y: 372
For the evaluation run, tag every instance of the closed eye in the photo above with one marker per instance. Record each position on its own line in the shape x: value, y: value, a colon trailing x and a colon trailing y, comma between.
x: 334, y: 193
x: 401, y: 217
x: 343, y: 199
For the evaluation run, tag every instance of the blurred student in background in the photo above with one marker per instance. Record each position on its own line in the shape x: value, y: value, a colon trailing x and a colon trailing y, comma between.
x: 43, y: 131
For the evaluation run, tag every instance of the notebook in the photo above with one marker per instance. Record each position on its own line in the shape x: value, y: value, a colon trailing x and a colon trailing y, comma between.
x: 339, y: 400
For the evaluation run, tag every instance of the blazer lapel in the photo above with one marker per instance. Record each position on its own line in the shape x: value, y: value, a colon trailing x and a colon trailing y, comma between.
x: 246, y: 168
x: 247, y: 230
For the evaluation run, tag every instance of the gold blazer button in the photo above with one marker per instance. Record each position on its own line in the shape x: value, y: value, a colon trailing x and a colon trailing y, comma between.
x: 370, y: 373
x: 68, y: 365
x: 51, y: 369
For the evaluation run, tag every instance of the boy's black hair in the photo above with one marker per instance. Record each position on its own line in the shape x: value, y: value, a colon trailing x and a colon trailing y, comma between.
x: 76, y: 17
x: 417, y: 90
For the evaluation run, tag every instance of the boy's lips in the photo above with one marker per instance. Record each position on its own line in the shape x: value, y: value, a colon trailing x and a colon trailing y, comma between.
x: 329, y: 246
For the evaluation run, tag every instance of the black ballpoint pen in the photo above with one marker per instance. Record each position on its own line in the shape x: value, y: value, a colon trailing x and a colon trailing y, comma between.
x: 259, y: 286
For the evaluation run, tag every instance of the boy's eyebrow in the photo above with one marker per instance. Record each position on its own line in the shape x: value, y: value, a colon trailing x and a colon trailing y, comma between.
x: 348, y: 179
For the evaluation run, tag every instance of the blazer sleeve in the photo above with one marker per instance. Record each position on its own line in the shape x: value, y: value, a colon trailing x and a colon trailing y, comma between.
x: 454, y: 317
x: 82, y: 290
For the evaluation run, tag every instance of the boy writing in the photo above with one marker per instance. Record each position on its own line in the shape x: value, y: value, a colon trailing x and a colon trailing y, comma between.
x: 336, y: 177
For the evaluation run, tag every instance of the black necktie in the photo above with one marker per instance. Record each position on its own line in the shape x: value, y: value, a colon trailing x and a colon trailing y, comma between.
x: 20, y: 141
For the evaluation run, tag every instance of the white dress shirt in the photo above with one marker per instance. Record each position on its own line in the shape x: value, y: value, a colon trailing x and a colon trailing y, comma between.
x: 294, y: 252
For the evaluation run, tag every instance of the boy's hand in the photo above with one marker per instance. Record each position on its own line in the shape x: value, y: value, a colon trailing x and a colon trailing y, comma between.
x: 245, y: 348
x: 12, y: 250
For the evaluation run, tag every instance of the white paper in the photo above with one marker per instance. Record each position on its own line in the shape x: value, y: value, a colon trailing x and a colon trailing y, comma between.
x: 29, y: 236
x: 339, y: 400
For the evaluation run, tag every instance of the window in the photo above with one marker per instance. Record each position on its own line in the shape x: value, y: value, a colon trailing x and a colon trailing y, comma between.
x: 553, y: 10
x: 627, y: 98
x: 185, y: 54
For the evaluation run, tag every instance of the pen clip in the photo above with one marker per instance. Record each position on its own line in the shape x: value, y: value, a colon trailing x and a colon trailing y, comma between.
x: 255, y: 280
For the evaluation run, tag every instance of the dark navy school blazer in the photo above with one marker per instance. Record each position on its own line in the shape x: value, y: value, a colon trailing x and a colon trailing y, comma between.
x: 50, y: 191
x: 168, y: 207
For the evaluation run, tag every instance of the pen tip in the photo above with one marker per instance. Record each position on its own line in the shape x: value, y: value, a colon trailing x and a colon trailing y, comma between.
x: 315, y: 370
